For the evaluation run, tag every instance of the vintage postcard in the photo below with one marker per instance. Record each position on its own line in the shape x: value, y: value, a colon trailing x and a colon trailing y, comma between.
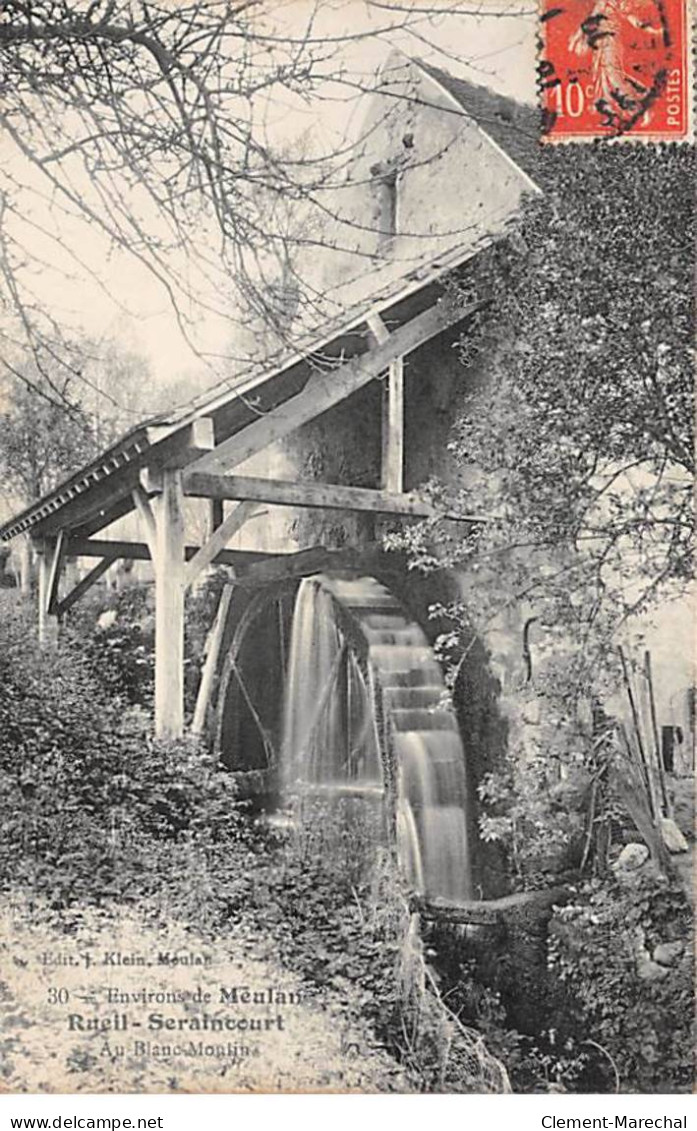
x: 346, y: 540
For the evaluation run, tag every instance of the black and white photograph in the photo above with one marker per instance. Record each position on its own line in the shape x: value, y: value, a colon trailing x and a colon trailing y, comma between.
x: 347, y: 614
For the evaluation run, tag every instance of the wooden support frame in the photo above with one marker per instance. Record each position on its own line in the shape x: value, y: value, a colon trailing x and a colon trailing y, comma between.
x: 218, y: 540
x: 49, y: 553
x: 86, y: 583
x: 314, y: 495
x: 329, y: 387
x: 213, y: 644
x: 153, y: 463
x: 169, y: 609
x: 147, y: 517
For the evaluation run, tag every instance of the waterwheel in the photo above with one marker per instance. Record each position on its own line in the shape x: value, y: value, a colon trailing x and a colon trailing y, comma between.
x: 331, y: 690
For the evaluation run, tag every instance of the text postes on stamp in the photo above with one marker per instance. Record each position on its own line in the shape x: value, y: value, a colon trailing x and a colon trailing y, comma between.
x: 613, y: 67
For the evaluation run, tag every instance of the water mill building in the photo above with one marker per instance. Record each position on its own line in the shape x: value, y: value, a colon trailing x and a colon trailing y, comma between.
x: 319, y: 666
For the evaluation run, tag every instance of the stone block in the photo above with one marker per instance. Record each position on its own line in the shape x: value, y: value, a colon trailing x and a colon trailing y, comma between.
x: 632, y: 857
x: 668, y: 953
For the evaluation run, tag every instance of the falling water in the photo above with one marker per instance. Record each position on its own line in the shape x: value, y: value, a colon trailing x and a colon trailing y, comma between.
x: 331, y: 741
x: 329, y: 727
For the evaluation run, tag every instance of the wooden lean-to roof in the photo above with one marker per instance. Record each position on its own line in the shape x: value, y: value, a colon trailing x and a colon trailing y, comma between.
x: 101, y: 491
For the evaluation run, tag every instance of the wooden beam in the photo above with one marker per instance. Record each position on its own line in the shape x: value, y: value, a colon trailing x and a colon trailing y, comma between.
x: 48, y: 623
x: 315, y: 495
x: 147, y: 517
x: 254, y: 569
x: 138, y: 551
x: 377, y: 328
x: 331, y: 386
x: 82, y: 586
x: 303, y: 563
x: 198, y: 436
x: 108, y: 548
x: 169, y: 609
x: 218, y: 540
x: 393, y: 430
x: 213, y: 643
x: 104, y: 518
x: 216, y: 514
x: 54, y: 573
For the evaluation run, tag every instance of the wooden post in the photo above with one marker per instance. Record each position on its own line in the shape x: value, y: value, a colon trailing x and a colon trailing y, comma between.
x: 393, y: 430
x: 216, y: 514
x: 210, y: 665
x: 43, y: 590
x: 25, y: 566
x: 392, y: 413
x: 48, y: 623
x: 169, y: 609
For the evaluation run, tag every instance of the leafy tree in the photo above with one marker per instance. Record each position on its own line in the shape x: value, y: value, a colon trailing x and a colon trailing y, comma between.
x: 41, y: 443
x: 50, y: 429
x: 577, y: 443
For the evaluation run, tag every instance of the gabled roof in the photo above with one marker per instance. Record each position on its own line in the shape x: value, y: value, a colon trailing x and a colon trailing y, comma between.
x: 514, y: 126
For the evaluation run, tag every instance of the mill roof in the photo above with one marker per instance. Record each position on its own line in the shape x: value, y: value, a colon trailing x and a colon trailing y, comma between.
x: 514, y: 126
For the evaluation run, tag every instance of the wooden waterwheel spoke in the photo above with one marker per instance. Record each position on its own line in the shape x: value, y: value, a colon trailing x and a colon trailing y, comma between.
x: 269, y: 747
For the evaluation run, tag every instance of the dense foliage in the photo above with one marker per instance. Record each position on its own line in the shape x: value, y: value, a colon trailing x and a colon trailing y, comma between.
x: 87, y: 795
x: 575, y: 438
x: 115, y: 631
x: 41, y: 443
x: 638, y: 1013
x: 582, y: 435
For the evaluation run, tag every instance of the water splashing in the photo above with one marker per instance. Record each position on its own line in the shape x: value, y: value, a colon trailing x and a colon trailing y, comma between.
x: 331, y: 744
x: 329, y: 726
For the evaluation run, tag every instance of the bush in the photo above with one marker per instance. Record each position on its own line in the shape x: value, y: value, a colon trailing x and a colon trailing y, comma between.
x: 88, y: 797
x: 116, y: 632
x: 352, y: 932
x: 637, y: 1014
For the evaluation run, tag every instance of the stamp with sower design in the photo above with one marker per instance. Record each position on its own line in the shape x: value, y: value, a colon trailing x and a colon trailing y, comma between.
x: 614, y: 67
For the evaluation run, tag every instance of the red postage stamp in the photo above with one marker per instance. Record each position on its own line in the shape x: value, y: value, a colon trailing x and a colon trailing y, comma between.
x: 613, y: 67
